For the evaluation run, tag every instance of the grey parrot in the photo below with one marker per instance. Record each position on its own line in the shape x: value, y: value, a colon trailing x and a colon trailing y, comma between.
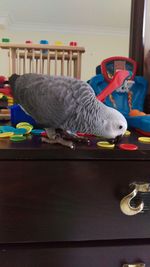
x: 69, y: 104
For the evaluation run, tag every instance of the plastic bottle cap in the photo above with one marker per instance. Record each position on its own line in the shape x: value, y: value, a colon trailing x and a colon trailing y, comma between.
x: 144, y: 139
x: 127, y: 133
x: 5, y: 40
x: 20, y: 124
x: 28, y: 42
x: 28, y: 128
x: 25, y: 125
x: 20, y: 131
x: 6, y: 134
x: 37, y: 131
x: 17, y: 138
x: 6, y: 129
x: 58, y: 43
x: 44, y: 42
x: 73, y: 43
x: 105, y: 144
x: 128, y: 147
x: 44, y: 134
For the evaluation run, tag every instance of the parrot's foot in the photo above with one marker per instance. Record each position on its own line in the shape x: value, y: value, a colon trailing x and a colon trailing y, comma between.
x: 58, y: 140
x: 64, y: 138
x: 67, y: 135
x: 55, y: 137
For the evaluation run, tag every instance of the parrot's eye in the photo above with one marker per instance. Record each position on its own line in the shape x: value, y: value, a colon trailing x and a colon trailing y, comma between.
x: 120, y: 127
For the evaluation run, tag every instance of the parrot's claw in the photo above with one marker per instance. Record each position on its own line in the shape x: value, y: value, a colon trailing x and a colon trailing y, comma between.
x: 58, y: 140
x: 67, y: 135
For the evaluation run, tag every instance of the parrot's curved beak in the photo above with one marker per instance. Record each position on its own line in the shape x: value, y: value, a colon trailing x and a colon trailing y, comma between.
x: 115, y: 140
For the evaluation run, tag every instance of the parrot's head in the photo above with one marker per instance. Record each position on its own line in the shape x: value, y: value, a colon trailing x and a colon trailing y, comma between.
x: 113, y: 125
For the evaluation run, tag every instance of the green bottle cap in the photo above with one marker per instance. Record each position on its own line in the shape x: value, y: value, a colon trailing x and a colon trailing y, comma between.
x: 5, y: 40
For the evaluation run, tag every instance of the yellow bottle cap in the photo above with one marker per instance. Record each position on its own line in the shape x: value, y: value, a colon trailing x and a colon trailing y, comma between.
x: 105, y: 144
x: 26, y: 126
x: 144, y: 139
x: 20, y: 124
x: 127, y: 133
x: 1, y: 95
x: 58, y: 43
x: 6, y: 134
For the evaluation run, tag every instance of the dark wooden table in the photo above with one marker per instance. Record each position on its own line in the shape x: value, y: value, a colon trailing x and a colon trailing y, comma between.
x: 34, y: 149
x: 61, y: 207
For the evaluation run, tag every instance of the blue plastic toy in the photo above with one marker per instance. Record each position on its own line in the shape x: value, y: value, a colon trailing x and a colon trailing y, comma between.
x: 18, y: 115
x: 124, y: 99
x: 138, y: 91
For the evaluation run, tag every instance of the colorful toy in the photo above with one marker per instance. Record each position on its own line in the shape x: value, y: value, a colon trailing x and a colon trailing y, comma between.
x: 118, y: 80
x: 111, y: 65
x: 129, y: 98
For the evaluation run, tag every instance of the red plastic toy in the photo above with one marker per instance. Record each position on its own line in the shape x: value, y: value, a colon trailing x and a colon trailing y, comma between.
x: 112, y: 64
x: 117, y: 81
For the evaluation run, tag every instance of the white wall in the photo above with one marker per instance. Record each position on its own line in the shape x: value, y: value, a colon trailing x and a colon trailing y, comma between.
x: 98, y: 47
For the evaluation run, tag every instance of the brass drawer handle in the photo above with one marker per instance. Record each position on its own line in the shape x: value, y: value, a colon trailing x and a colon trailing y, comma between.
x: 134, y: 265
x: 125, y: 204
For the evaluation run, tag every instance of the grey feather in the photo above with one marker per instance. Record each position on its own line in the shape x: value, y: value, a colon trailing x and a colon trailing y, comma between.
x: 67, y: 103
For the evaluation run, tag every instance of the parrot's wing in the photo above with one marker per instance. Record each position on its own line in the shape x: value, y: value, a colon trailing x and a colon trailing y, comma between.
x: 50, y: 100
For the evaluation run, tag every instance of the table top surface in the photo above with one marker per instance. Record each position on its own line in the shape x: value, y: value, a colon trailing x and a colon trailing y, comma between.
x: 33, y: 148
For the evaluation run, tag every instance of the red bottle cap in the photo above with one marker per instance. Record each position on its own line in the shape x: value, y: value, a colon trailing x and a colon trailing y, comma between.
x: 128, y: 147
x: 73, y: 44
x: 84, y: 134
x: 44, y: 134
x: 28, y: 42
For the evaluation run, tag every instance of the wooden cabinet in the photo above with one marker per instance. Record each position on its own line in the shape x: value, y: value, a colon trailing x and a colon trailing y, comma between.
x: 74, y: 255
x: 61, y: 207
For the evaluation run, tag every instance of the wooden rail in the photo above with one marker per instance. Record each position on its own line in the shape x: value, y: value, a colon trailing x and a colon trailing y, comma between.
x: 44, y: 59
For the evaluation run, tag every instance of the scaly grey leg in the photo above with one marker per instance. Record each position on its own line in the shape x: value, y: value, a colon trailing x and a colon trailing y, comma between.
x: 55, y: 138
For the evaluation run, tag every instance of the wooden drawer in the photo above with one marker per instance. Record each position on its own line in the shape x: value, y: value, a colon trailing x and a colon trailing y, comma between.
x: 40, y: 256
x: 69, y: 200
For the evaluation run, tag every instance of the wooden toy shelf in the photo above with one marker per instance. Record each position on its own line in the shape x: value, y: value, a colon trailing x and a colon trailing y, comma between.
x: 44, y: 59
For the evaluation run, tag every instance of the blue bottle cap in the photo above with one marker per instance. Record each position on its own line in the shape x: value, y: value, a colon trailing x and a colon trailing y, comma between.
x: 44, y: 42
